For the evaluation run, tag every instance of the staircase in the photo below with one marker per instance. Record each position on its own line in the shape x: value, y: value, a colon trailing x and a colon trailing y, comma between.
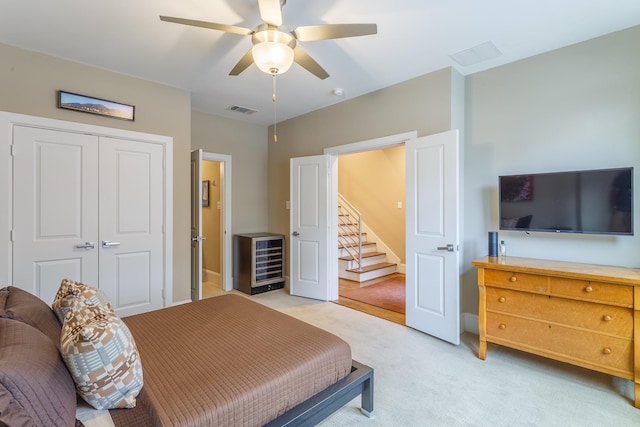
x: 359, y: 259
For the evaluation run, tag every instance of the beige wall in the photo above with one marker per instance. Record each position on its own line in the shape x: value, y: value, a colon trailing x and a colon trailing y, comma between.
x: 211, y: 219
x: 374, y: 182
x: 571, y: 109
x: 247, y: 145
x: 423, y: 104
x: 28, y: 85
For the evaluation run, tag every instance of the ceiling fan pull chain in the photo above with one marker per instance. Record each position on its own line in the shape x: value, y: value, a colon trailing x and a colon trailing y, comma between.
x: 275, y: 110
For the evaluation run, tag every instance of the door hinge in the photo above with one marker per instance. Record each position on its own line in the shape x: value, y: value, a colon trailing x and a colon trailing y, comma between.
x: 11, y: 235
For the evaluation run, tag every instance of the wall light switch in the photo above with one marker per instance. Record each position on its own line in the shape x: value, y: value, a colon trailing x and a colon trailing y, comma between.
x: 218, y: 204
x: 287, y: 205
x: 399, y: 205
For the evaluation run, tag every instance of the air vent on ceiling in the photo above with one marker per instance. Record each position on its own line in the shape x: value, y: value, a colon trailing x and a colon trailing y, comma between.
x: 243, y: 110
x: 476, y: 54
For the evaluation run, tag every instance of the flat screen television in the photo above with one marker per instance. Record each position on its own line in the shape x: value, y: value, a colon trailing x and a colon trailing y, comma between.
x: 592, y: 201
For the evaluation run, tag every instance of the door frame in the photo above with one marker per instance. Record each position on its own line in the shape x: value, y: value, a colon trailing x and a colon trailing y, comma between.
x: 9, y: 120
x: 225, y: 217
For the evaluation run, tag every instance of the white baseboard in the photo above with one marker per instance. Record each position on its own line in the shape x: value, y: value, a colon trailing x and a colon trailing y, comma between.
x: 181, y: 302
x: 469, y: 323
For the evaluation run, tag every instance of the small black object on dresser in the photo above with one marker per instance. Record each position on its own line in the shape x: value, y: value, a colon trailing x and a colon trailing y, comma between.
x: 258, y: 262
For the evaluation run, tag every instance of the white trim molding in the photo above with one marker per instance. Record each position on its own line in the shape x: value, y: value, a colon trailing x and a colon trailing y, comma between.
x: 9, y: 120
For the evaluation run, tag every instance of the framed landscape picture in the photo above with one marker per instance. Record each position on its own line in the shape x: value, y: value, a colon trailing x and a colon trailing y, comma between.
x: 91, y: 105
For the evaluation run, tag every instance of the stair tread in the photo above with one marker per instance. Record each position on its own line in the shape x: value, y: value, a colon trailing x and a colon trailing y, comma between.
x: 373, y: 267
x: 352, y: 245
x: 364, y: 255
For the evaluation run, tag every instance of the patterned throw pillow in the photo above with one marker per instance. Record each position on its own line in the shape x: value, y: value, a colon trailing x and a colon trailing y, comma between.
x: 70, y: 290
x: 101, y: 355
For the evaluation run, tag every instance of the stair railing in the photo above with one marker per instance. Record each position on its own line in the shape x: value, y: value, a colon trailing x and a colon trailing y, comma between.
x: 350, y: 222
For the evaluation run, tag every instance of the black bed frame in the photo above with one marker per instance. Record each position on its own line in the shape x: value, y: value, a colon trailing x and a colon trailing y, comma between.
x: 320, y: 406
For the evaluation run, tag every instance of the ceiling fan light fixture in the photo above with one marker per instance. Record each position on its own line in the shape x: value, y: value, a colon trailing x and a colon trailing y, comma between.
x: 273, y: 51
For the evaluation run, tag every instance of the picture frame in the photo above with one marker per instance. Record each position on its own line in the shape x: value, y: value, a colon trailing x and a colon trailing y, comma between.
x: 93, y: 105
x: 205, y: 193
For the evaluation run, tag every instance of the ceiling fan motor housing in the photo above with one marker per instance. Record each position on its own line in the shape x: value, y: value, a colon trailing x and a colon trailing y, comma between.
x: 272, y: 49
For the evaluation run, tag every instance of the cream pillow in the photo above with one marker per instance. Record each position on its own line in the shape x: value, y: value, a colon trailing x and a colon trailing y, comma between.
x: 101, y: 355
x: 70, y: 290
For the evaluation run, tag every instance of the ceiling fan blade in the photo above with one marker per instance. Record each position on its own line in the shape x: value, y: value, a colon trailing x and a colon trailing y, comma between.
x: 304, y: 60
x: 271, y: 12
x: 333, y: 31
x: 242, y: 65
x: 211, y: 25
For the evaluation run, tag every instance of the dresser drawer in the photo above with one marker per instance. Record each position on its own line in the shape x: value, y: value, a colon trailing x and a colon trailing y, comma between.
x: 602, y: 318
x: 606, y: 293
x: 514, y: 280
x: 562, y: 342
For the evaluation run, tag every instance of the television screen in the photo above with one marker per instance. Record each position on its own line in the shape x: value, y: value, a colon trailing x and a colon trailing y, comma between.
x: 594, y: 201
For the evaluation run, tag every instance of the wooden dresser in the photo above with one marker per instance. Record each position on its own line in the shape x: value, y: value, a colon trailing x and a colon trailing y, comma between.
x: 584, y: 314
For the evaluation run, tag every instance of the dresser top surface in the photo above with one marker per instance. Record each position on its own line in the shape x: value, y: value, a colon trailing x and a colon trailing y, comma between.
x: 622, y: 275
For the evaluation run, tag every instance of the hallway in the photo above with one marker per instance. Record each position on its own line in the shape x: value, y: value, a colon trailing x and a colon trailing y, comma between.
x: 346, y: 285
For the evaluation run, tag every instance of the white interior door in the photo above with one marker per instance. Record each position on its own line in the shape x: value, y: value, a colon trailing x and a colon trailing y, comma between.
x: 196, y: 225
x: 55, y: 204
x: 313, y: 230
x: 433, y: 291
x: 131, y: 224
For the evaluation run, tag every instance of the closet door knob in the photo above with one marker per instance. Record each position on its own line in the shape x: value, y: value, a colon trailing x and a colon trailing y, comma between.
x: 87, y: 246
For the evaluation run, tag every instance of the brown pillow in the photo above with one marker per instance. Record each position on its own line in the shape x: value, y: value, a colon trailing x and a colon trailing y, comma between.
x: 28, y: 308
x: 34, y: 381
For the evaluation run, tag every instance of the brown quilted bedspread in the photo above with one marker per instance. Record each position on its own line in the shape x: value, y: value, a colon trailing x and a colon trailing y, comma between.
x: 228, y: 361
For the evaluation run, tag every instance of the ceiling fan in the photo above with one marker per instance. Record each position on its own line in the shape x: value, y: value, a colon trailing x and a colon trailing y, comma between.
x: 275, y: 49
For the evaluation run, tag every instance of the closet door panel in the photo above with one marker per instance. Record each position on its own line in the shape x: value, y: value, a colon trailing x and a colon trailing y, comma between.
x: 131, y: 224
x: 55, y: 209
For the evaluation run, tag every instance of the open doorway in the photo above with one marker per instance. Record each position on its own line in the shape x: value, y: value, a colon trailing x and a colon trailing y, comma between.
x: 372, y: 179
x: 432, y: 228
x: 211, y: 227
x: 210, y: 224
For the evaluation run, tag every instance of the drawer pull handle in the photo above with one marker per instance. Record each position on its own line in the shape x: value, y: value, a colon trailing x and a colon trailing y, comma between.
x: 502, y: 326
x: 588, y: 289
x: 607, y: 317
x: 513, y: 278
x: 502, y: 299
x: 606, y: 350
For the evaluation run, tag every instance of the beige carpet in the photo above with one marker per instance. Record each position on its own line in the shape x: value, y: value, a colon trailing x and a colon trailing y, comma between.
x: 422, y: 381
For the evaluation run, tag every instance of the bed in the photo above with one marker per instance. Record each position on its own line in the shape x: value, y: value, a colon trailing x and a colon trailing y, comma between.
x: 230, y: 361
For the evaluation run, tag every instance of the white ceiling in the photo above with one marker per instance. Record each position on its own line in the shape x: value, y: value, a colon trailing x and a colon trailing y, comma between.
x: 414, y: 37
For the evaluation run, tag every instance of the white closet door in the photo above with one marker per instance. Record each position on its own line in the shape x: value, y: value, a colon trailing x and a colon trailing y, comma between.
x: 131, y: 224
x: 55, y: 209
